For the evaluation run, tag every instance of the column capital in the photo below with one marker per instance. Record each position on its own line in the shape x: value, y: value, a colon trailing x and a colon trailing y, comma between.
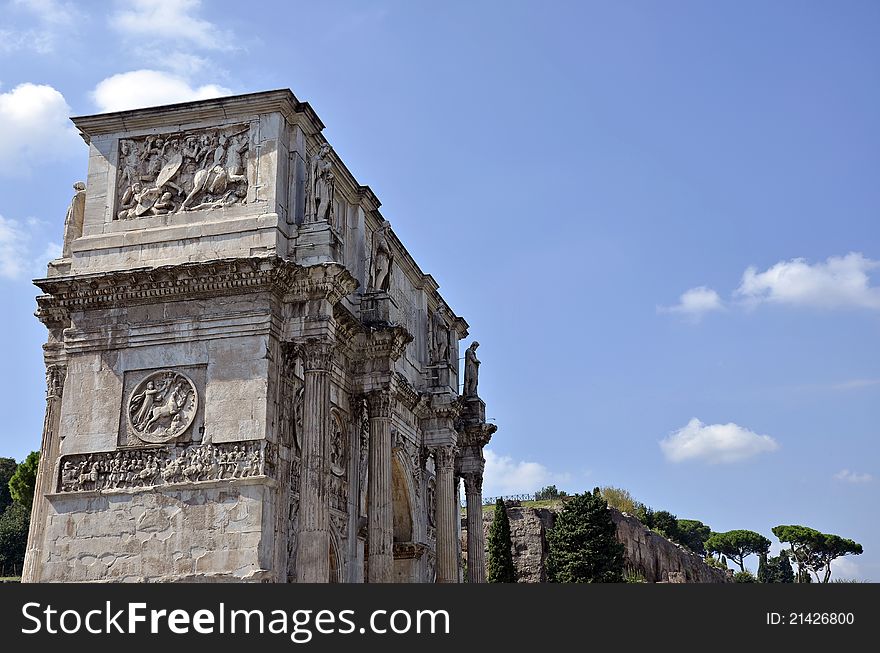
x: 473, y: 482
x: 316, y: 354
x: 55, y: 375
x: 444, y: 455
x: 380, y: 403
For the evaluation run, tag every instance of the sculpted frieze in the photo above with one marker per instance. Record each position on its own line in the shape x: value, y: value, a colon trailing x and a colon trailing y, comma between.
x: 137, y: 468
x: 190, y: 170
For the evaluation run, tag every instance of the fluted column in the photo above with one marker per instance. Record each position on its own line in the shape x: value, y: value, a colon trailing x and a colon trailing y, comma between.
x: 313, y: 540
x: 49, y: 448
x: 476, y: 542
x: 447, y: 513
x: 380, y: 514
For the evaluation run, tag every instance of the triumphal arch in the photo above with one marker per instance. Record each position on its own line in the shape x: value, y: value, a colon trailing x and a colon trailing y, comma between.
x: 249, y: 378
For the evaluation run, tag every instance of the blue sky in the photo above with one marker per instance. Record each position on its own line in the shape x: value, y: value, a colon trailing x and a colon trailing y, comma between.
x: 660, y: 219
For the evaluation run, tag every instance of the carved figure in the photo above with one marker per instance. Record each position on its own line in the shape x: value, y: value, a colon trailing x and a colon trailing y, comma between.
x: 319, y: 197
x: 471, y: 370
x: 337, y: 449
x: 146, y: 399
x: 439, y: 339
x: 73, y: 221
x: 382, y: 260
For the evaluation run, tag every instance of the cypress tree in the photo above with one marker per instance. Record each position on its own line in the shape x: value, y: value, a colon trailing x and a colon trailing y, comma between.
x: 500, y: 567
x: 583, y: 543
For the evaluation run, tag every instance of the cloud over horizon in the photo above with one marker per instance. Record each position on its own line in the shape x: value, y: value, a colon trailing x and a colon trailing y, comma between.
x: 174, y: 21
x: 146, y: 88
x: 34, y: 129
x: 839, y: 282
x: 715, y: 443
x: 856, y: 478
x: 695, y: 303
x: 504, y: 475
x: 17, y: 258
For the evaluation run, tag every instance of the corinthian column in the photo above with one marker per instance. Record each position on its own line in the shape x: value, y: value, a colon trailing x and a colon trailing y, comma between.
x: 380, y: 515
x: 313, y: 540
x: 49, y: 447
x: 476, y: 561
x: 447, y: 513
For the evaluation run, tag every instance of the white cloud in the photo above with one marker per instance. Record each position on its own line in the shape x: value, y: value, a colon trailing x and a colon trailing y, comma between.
x: 17, y: 260
x: 845, y: 568
x: 13, y: 244
x: 715, y: 443
x: 53, y: 20
x: 504, y: 476
x: 142, y: 88
x: 171, y: 21
x: 695, y: 303
x: 839, y: 282
x: 856, y: 384
x: 34, y: 128
x: 849, y: 476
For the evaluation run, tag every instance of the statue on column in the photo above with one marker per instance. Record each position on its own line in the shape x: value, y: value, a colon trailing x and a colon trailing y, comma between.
x: 471, y: 370
x: 380, y: 272
x: 319, y: 200
x: 73, y: 222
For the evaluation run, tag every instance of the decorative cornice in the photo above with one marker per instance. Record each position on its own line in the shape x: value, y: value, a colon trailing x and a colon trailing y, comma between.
x: 188, y: 281
x: 445, y: 406
x: 476, y: 435
x: 406, y: 394
x: 409, y: 550
x: 220, y: 109
x: 387, y: 342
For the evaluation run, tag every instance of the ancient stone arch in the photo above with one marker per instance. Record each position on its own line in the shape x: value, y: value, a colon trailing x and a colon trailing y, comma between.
x: 402, y: 496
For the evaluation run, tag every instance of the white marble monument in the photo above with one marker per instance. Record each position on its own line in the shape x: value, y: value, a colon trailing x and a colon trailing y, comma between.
x: 249, y: 378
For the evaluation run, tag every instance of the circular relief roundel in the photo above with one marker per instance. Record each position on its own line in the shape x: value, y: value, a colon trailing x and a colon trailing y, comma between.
x: 162, y: 406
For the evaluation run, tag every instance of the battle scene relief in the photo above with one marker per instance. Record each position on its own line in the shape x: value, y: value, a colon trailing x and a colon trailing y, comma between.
x: 192, y: 170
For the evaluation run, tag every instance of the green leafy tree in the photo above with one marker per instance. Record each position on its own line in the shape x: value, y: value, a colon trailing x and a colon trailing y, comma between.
x: 499, y: 565
x: 23, y: 481
x: 645, y: 515
x: 583, y: 543
x: 622, y: 500
x: 738, y: 545
x: 743, y: 577
x: 814, y: 551
x: 666, y: 523
x: 775, y: 569
x: 7, y: 469
x: 14, y: 522
x: 549, y: 493
x: 693, y: 534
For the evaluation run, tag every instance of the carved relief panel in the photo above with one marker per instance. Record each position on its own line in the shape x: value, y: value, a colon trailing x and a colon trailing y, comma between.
x: 164, y: 405
x: 155, y: 466
x: 189, y: 170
